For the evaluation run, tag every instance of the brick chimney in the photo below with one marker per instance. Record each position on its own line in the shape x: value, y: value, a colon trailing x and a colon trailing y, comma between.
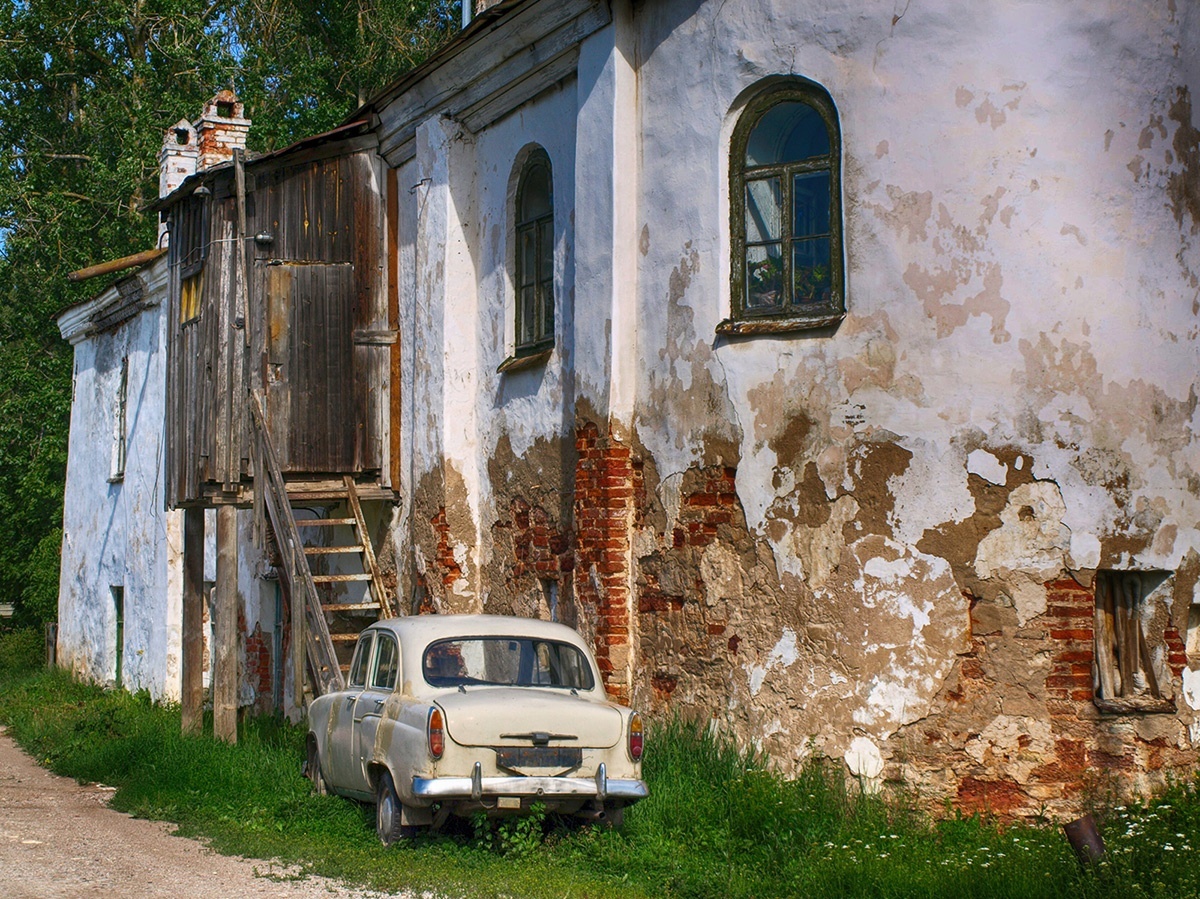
x: 178, y: 157
x: 221, y: 129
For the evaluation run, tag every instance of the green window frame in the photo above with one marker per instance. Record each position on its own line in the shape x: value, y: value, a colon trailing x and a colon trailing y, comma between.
x: 533, y: 280
x: 786, y: 212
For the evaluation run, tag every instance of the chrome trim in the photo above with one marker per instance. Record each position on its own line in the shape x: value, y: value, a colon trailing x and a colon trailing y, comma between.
x: 477, y: 787
x: 602, y: 782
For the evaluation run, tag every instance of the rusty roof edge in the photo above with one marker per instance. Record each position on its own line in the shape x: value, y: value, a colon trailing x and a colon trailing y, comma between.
x: 361, y: 124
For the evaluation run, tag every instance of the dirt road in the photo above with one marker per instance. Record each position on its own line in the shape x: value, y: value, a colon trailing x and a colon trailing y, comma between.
x: 60, y: 840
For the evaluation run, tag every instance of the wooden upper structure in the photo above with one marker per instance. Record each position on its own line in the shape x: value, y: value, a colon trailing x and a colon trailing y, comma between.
x: 279, y: 285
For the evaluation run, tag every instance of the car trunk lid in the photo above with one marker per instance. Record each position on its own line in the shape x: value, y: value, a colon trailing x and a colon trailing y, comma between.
x: 526, y: 716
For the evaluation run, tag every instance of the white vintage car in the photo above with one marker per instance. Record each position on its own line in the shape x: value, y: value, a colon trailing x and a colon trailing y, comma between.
x: 455, y: 714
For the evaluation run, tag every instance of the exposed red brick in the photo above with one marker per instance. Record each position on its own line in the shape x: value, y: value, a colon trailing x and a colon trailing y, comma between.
x: 1177, y: 658
x: 605, y: 485
x: 997, y: 797
x: 664, y: 685
x: 258, y: 671
x: 451, y: 571
x: 1071, y: 634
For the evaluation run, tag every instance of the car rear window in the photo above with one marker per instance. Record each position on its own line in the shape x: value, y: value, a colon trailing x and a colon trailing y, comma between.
x: 506, y: 661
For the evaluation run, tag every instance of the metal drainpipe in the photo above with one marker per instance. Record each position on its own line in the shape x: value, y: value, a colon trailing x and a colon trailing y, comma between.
x: 468, y: 9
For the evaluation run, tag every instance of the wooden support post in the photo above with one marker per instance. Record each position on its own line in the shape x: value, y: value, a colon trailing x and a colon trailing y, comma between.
x: 225, y: 628
x: 192, y: 693
x: 298, y: 637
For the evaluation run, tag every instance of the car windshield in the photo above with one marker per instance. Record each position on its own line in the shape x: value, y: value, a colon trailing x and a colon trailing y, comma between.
x: 506, y: 661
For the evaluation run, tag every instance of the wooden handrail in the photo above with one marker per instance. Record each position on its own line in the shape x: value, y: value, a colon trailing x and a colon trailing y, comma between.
x: 386, y: 607
x: 319, y: 646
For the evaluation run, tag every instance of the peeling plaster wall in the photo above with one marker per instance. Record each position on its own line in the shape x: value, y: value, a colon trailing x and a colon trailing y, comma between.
x: 876, y: 541
x: 115, y: 532
x: 485, y: 448
x: 1011, y: 397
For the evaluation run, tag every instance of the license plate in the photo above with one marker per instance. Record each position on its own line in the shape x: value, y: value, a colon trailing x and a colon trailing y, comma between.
x: 539, y: 757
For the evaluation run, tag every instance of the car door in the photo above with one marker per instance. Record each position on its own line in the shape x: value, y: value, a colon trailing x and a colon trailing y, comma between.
x: 343, y: 758
x: 368, y: 708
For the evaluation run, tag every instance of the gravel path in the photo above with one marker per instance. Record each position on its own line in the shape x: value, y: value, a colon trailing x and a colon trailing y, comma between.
x: 59, y: 839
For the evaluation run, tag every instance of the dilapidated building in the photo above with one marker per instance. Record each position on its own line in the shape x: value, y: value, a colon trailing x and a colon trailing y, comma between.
x: 832, y: 367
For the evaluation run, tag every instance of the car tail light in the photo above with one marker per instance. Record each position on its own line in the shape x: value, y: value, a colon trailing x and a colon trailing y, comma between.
x: 435, y: 730
x: 636, y: 737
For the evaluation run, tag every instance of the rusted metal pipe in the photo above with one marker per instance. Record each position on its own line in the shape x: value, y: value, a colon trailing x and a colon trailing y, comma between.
x: 115, y: 265
x: 1085, y: 839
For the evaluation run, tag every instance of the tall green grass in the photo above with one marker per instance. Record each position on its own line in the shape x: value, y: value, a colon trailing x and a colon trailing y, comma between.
x: 719, y: 823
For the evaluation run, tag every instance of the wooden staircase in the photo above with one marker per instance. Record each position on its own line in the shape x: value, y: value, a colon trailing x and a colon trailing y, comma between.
x: 324, y: 619
x: 345, y: 613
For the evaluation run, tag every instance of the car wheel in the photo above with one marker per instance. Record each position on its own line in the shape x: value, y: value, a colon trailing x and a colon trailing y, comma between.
x: 312, y: 769
x: 387, y: 813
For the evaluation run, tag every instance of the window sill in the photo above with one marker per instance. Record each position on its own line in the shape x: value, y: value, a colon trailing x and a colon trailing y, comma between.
x: 1134, y: 705
x: 517, y: 363
x: 745, y: 327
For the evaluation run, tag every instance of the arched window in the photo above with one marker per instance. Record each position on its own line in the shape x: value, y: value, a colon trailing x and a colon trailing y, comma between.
x: 534, y: 270
x: 786, y: 211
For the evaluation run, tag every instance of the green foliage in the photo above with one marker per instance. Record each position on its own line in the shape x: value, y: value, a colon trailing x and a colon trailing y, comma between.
x: 39, y: 596
x: 22, y: 651
x: 718, y: 822
x: 518, y: 837
x: 87, y: 88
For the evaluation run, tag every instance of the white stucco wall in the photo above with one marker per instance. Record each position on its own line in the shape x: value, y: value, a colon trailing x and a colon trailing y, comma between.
x: 116, y: 532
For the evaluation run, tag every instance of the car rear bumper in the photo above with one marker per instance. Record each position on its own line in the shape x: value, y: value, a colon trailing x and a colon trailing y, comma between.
x: 437, y: 789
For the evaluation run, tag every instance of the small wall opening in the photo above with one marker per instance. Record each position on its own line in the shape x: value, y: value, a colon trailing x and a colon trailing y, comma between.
x: 1131, y: 620
x: 550, y: 590
x: 118, y: 600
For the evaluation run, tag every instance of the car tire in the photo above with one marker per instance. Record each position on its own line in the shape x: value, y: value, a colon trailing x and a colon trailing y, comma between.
x: 312, y: 768
x: 388, y: 817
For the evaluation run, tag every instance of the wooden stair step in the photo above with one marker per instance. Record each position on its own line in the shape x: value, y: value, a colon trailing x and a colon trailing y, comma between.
x: 331, y: 550
x: 332, y: 490
x: 304, y: 497
x: 323, y: 522
x: 349, y: 606
x: 343, y: 638
x: 339, y: 578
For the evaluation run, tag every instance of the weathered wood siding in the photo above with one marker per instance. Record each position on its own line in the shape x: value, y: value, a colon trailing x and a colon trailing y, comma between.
x: 314, y: 333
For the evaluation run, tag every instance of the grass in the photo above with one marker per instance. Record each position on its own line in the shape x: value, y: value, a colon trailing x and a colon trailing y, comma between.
x: 718, y: 823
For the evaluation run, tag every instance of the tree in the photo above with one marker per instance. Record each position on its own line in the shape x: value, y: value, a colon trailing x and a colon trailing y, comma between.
x: 87, y: 88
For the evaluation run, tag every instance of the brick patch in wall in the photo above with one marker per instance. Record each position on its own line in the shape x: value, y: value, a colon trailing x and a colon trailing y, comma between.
x: 606, y: 481
x: 259, y: 671
x: 449, y: 566
x: 1070, y: 617
x: 539, y: 548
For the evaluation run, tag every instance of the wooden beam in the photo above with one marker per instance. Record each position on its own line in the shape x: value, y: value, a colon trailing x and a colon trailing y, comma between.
x: 192, y: 693
x: 393, y: 302
x: 116, y: 265
x: 225, y: 628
